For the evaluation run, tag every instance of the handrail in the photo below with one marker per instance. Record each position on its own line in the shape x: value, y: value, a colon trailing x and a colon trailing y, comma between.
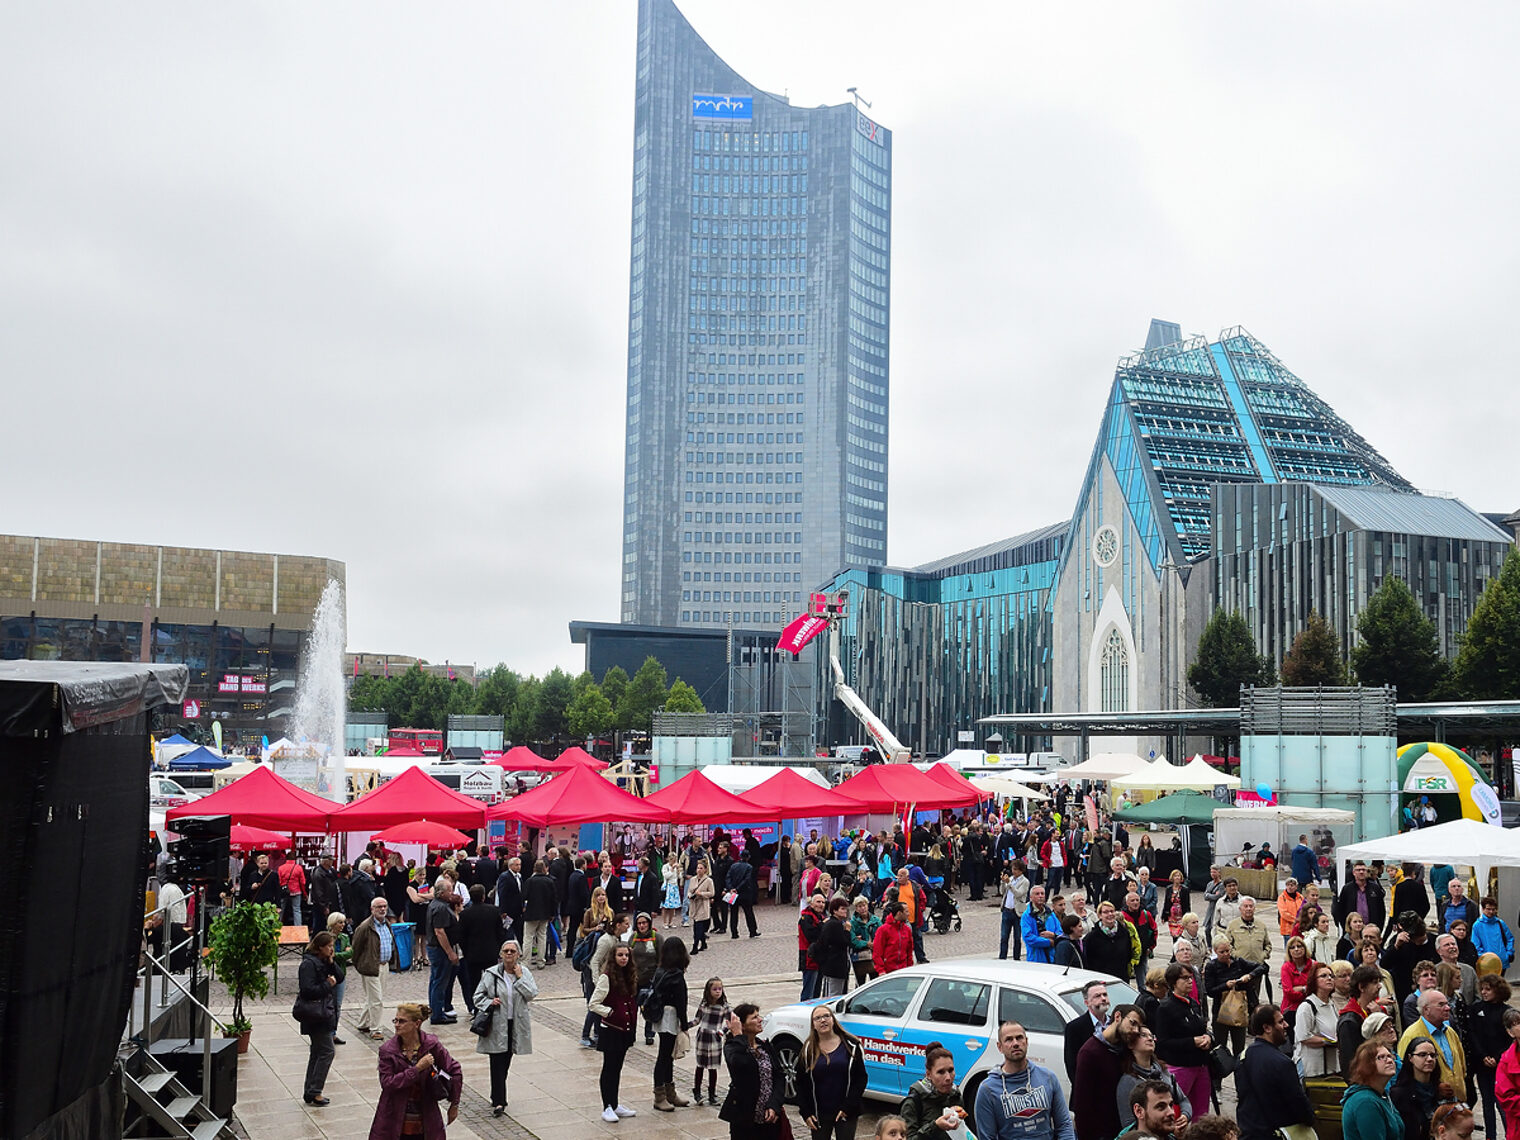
x: 146, y: 973
x: 172, y: 980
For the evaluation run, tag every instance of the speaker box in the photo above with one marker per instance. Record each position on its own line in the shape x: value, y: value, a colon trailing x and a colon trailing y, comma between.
x: 204, y: 848
x: 183, y: 1057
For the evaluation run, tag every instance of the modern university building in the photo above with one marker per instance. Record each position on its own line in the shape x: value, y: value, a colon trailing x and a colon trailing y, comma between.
x: 1218, y: 479
x: 759, y: 296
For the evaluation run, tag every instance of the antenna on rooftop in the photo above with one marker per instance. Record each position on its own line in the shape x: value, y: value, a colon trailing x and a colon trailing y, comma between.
x: 856, y: 94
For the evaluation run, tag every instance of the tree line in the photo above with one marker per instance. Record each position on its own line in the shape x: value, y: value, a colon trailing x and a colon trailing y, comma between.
x: 544, y: 710
x: 1396, y: 645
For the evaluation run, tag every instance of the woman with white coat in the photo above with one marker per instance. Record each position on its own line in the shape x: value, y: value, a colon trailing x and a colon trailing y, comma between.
x: 508, y: 989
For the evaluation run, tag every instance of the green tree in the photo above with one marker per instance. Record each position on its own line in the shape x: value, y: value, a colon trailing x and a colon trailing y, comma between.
x: 1397, y: 644
x: 1226, y: 660
x: 582, y: 682
x: 496, y: 690
x: 1314, y: 658
x: 645, y: 693
x: 553, y: 699
x: 1488, y: 664
x: 683, y: 699
x: 590, y: 712
x: 522, y: 721
x: 615, y: 684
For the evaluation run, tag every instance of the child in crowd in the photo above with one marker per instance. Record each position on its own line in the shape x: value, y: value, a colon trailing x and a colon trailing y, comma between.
x: 712, y: 1027
x: 891, y: 1128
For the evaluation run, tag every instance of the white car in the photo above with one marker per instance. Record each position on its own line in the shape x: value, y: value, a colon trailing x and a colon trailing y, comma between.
x: 960, y: 1004
x: 166, y: 793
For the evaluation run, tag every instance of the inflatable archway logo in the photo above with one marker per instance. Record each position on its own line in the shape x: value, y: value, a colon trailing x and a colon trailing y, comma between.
x: 1439, y: 769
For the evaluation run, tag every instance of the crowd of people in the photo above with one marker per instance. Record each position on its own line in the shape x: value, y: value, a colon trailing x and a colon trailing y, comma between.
x: 1382, y: 1002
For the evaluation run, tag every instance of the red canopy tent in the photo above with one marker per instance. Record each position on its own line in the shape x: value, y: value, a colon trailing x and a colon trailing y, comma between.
x: 576, y: 757
x: 790, y: 795
x: 522, y: 759
x: 953, y: 781
x: 577, y: 796
x: 263, y: 799
x: 891, y: 787
x: 404, y: 754
x: 696, y: 799
x: 411, y: 796
x: 436, y: 835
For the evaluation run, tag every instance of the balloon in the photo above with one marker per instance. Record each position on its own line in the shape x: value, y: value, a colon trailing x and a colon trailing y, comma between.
x: 1264, y: 790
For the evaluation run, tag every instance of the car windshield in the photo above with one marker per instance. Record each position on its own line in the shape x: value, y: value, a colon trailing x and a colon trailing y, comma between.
x: 1119, y: 993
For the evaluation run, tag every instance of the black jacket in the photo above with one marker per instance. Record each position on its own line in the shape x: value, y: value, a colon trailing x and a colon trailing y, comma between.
x: 743, y: 1097
x: 1108, y: 953
x: 324, y: 887
x: 1067, y: 952
x: 578, y: 894
x: 670, y: 987
x: 647, y: 889
x: 741, y: 878
x: 316, y: 1005
x: 1400, y: 962
x: 1270, y: 1091
x: 486, y: 871
x: 1077, y: 1034
x: 832, y: 949
x: 1345, y: 903
x: 361, y: 892
x: 855, y: 1088
x: 1216, y: 974
x: 1178, y: 1021
x: 559, y: 872
x: 540, y: 902
x: 480, y: 935
x: 509, y: 896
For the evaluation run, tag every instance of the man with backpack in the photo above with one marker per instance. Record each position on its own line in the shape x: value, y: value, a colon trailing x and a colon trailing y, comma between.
x: 292, y: 877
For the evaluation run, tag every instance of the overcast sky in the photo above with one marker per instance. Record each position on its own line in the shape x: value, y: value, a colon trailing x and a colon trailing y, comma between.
x: 351, y: 279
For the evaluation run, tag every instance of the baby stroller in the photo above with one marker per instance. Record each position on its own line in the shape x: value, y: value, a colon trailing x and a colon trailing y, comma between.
x: 942, y: 909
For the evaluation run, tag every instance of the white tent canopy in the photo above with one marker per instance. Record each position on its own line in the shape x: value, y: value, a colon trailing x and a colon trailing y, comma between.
x: 1329, y: 829
x: 1102, y: 766
x: 1208, y: 776
x: 1003, y: 786
x: 1468, y: 842
x: 1158, y: 775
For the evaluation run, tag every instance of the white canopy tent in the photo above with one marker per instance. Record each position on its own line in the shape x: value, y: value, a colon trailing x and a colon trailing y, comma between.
x: 1466, y: 842
x: 1207, y: 776
x: 1102, y: 766
x: 1329, y: 830
x: 1003, y: 786
x: 1157, y: 776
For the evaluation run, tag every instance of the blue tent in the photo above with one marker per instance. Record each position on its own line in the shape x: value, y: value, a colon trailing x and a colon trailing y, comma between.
x: 176, y: 739
x: 201, y: 760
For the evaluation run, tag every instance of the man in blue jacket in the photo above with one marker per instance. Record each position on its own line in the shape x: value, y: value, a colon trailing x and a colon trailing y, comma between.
x: 1304, y: 862
x: 1491, y: 936
x: 1038, y: 928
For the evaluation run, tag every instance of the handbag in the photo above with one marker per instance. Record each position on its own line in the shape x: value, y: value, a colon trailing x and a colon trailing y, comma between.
x: 730, y: 897
x: 683, y: 1045
x: 480, y: 1024
x: 1233, y: 1010
x: 1221, y: 1063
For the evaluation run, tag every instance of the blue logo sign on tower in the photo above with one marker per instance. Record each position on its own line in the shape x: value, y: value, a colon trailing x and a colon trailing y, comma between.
x: 729, y: 108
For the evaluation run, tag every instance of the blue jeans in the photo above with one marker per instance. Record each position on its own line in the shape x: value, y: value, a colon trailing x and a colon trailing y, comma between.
x: 440, y: 983
x: 685, y: 903
x: 1011, y: 926
x: 810, y: 980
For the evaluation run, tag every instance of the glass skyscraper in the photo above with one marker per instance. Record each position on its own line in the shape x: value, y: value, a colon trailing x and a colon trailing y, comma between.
x: 759, y: 296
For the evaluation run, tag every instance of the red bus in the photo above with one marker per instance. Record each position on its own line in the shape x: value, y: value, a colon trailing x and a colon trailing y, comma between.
x: 428, y: 741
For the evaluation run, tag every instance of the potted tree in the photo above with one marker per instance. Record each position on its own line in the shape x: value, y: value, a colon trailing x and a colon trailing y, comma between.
x: 245, y: 938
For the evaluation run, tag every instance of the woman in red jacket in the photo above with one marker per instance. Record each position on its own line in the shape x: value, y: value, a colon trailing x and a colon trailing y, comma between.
x: 892, y: 948
x: 1297, y: 976
x: 1507, y: 1077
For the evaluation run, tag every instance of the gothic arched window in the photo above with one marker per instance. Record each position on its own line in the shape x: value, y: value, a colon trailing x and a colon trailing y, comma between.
x: 1115, y: 673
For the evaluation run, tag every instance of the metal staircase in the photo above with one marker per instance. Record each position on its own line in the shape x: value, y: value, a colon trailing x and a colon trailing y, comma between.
x: 164, y: 1108
x: 159, y: 1106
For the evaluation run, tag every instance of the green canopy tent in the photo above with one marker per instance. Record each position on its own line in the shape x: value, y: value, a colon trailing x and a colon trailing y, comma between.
x: 1183, y: 810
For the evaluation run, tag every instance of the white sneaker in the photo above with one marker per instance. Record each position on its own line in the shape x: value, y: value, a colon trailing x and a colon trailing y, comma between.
x: 609, y: 1116
x: 621, y: 1111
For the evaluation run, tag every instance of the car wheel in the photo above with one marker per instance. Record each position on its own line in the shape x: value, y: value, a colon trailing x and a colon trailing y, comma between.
x: 788, y: 1050
x: 968, y: 1100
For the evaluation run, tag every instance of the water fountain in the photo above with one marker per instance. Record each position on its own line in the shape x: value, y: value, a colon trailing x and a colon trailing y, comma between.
x: 321, y: 712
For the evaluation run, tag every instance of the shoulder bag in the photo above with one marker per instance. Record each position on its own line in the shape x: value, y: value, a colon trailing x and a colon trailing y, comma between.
x: 480, y: 1024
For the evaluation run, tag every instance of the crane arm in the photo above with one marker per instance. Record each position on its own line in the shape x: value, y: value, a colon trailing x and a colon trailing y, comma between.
x: 892, y: 749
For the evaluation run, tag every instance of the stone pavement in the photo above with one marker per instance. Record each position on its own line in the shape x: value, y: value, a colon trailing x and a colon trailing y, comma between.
x: 553, y: 1092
